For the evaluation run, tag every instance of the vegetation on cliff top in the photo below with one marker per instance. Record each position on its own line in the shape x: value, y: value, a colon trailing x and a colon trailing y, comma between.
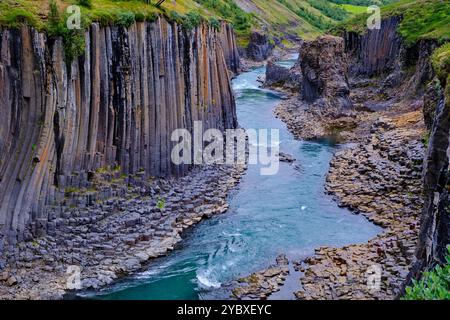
x: 365, y: 3
x: 303, y: 18
x: 434, y: 285
x: 36, y: 12
x: 441, y: 61
x: 421, y: 19
x: 354, y: 9
x: 51, y: 16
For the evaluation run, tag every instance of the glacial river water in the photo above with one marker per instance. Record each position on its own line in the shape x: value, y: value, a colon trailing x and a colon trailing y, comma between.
x: 269, y: 215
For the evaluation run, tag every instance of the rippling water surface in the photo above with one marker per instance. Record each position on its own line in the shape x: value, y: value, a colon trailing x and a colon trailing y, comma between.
x: 286, y: 213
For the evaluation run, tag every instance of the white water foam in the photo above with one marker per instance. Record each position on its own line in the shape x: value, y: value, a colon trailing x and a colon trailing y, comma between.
x: 226, y: 234
x: 206, y: 282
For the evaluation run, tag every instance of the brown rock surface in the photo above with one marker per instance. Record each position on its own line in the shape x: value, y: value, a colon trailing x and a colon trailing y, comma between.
x: 380, y: 179
x: 325, y: 84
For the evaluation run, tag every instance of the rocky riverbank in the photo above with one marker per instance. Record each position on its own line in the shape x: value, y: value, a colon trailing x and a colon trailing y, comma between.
x: 116, y: 105
x: 114, y: 230
x: 262, y: 284
x: 380, y: 179
x: 379, y: 176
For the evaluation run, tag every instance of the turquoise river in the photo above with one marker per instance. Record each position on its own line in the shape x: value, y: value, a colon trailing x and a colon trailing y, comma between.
x: 286, y: 213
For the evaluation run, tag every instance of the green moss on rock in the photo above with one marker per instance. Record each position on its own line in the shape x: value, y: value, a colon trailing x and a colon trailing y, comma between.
x: 441, y: 62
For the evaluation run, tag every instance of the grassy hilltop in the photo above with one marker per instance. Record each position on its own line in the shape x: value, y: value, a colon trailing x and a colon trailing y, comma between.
x: 422, y: 19
x: 298, y: 18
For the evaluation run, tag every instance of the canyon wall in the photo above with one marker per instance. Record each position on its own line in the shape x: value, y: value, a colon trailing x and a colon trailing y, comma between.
x: 229, y: 46
x: 259, y: 48
x: 115, y: 106
x: 375, y: 51
x: 383, y: 52
x: 434, y: 234
x: 435, y: 221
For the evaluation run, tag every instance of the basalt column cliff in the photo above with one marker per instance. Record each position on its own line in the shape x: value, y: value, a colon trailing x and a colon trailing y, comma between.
x: 115, y: 106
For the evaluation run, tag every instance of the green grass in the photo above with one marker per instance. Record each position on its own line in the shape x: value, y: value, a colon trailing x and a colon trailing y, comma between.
x: 14, y: 17
x: 189, y: 13
x: 50, y: 16
x: 354, y: 9
x: 303, y: 18
x: 161, y: 203
x: 13, y: 13
x: 425, y: 20
x: 228, y: 9
x: 364, y: 3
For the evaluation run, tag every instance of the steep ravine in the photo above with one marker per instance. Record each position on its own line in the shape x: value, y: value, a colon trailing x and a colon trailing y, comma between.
x: 268, y: 215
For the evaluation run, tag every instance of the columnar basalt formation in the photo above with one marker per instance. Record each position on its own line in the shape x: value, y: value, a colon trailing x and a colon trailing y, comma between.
x: 229, y: 46
x: 435, y: 220
x: 115, y: 106
x: 375, y: 51
x: 259, y: 48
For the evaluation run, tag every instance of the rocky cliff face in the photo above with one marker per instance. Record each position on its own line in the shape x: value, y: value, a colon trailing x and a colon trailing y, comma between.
x: 375, y: 51
x: 324, y: 67
x: 382, y: 52
x: 435, y: 220
x: 322, y: 108
x: 229, y: 47
x: 116, y: 106
x: 259, y: 48
x: 408, y: 71
x: 283, y: 78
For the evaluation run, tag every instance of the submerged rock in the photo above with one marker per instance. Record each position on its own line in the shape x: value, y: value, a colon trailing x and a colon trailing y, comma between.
x: 284, y: 157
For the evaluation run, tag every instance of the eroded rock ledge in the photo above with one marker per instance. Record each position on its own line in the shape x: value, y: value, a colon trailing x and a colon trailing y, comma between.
x: 324, y: 91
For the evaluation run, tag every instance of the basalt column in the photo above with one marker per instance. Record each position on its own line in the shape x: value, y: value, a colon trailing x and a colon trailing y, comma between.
x: 116, y: 105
